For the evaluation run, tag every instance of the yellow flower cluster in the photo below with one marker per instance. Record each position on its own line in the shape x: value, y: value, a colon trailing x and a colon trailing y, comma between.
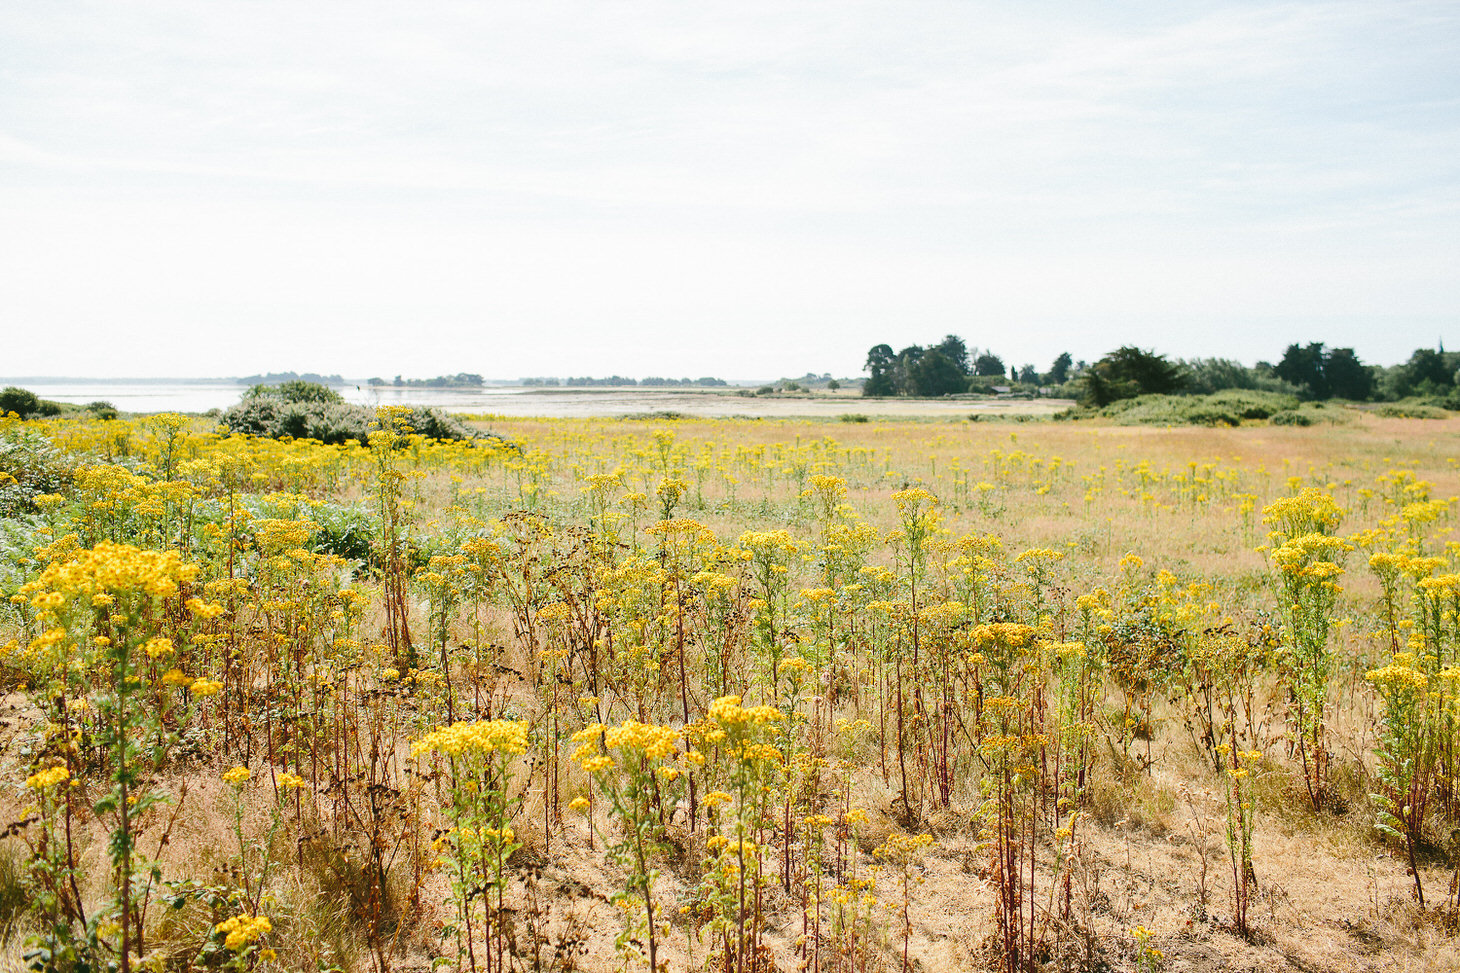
x: 681, y: 526
x: 1011, y: 634
x: 1311, y: 511
x: 903, y: 847
x: 204, y: 610
x: 555, y: 611
x: 158, y: 648
x: 1310, y: 556
x: 1401, y: 674
x: 110, y: 567
x: 242, y: 930
x: 769, y: 543
x: 47, y: 778
x: 728, y: 712
x: 478, y: 736
x: 911, y: 499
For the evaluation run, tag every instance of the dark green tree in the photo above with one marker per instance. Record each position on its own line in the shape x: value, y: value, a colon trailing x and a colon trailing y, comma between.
x: 1303, y: 366
x: 934, y: 374
x: 953, y: 349
x: 1347, y: 377
x: 904, y: 369
x: 1427, y: 370
x: 1059, y: 372
x: 1130, y: 371
x: 989, y: 364
x: 1324, y: 373
x: 1215, y: 374
x: 880, y: 361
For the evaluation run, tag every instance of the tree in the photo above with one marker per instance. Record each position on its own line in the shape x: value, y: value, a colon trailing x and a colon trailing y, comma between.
x: 1130, y: 371
x: 934, y: 374
x: 1215, y: 374
x: 1303, y: 366
x: 953, y: 349
x: 989, y: 364
x: 1151, y: 373
x: 1028, y: 376
x: 904, y: 369
x: 1059, y: 372
x: 1348, y: 378
x: 880, y: 361
x: 1321, y: 373
x: 1427, y: 366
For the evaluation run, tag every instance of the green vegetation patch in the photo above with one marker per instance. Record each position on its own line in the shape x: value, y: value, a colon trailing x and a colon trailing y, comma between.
x: 305, y: 410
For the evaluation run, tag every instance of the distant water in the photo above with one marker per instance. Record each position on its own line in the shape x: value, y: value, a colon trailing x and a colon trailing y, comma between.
x: 139, y: 396
x: 162, y: 396
x: 512, y: 400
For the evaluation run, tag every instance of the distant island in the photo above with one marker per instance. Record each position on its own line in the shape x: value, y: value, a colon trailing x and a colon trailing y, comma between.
x: 461, y: 380
x: 620, y: 381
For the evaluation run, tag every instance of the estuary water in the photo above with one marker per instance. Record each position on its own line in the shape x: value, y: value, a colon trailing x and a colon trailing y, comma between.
x: 518, y: 401
x: 183, y: 396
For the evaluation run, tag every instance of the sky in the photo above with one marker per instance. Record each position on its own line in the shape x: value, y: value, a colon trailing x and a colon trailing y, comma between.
x: 744, y: 190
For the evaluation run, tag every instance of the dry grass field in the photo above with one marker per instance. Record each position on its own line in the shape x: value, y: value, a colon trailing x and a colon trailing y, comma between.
x: 732, y: 695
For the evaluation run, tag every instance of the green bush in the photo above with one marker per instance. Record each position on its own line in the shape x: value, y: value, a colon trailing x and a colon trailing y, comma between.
x: 295, y: 390
x: 25, y: 403
x: 344, y: 532
x: 1229, y: 407
x: 33, y: 466
x: 1252, y: 404
x: 329, y: 421
x: 1411, y: 409
x: 22, y: 402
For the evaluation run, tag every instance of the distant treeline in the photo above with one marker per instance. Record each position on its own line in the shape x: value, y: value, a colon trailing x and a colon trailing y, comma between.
x: 1312, y: 372
x: 652, y: 382
x: 279, y: 378
x: 457, y: 381
x: 951, y: 367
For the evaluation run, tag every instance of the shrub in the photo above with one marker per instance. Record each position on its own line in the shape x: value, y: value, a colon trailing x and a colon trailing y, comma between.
x: 1230, y: 407
x: 22, y: 402
x: 33, y: 466
x: 331, y: 422
x: 1252, y: 404
x: 1292, y: 417
x: 295, y: 390
x: 1410, y: 409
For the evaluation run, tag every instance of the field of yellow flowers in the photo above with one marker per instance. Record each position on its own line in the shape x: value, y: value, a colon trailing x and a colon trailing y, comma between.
x: 733, y: 696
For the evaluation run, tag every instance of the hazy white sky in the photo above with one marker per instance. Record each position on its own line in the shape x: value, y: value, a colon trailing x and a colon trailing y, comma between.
x: 743, y: 189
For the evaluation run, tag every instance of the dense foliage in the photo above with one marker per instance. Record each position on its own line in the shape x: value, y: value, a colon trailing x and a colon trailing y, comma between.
x: 305, y: 410
x: 1312, y: 373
